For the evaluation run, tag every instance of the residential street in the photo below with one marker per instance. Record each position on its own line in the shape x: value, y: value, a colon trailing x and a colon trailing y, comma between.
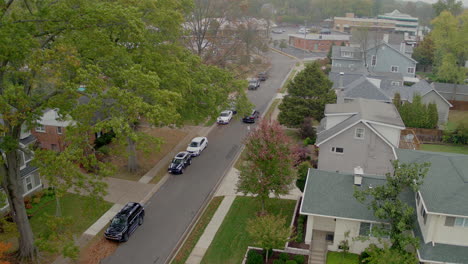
x: 172, y: 208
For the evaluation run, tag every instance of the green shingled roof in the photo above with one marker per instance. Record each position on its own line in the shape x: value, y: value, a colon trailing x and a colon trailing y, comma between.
x: 445, y: 188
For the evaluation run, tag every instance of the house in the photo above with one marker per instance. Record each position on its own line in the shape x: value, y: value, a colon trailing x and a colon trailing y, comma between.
x: 441, y: 211
x: 359, y: 133
x: 30, y: 180
x: 403, y: 22
x: 382, y: 57
x: 347, y: 23
x: 50, y: 130
x: 383, y: 87
x: 317, y: 42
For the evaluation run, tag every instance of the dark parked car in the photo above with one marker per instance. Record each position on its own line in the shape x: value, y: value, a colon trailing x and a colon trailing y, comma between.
x: 125, y: 222
x: 254, y: 83
x: 263, y: 76
x: 251, y: 118
x: 180, y: 162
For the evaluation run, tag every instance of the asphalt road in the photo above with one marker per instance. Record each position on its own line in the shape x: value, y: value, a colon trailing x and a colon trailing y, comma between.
x: 172, y: 208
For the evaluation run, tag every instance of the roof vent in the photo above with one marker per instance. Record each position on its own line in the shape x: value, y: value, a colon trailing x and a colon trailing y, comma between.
x: 358, y: 172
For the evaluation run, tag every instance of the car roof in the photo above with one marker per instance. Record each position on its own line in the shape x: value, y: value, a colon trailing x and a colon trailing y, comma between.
x: 197, y: 139
x: 181, y: 154
x: 128, y: 208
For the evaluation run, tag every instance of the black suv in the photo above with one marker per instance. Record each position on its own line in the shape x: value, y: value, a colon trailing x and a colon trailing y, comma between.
x: 254, y: 83
x: 125, y: 222
x: 263, y: 76
x: 251, y: 118
x: 180, y: 162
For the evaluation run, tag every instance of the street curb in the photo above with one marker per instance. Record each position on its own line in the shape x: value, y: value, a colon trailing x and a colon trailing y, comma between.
x: 285, y: 54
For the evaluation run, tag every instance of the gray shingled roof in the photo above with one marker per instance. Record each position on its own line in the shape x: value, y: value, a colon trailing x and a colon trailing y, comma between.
x: 440, y: 252
x: 324, y: 135
x: 363, y: 88
x: 29, y: 169
x: 445, y: 188
x: 336, y: 53
x: 348, y: 77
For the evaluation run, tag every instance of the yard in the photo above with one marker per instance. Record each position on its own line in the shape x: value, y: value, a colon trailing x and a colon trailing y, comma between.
x: 456, y: 117
x: 339, y: 258
x: 147, y: 159
x: 460, y: 149
x: 231, y: 241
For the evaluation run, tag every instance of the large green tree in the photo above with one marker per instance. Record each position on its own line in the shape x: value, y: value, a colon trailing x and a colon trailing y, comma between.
x: 388, y: 203
x: 127, y: 55
x: 424, y: 53
x: 453, y: 6
x: 308, y: 93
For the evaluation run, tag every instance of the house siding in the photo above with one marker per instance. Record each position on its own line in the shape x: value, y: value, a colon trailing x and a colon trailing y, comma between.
x: 390, y: 133
x: 442, y: 106
x: 371, y: 153
x: 388, y: 57
x: 332, y: 121
x: 50, y: 137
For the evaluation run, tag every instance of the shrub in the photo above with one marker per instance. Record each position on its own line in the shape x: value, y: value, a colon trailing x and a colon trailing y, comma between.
x: 309, y: 141
x: 307, y: 130
x: 39, y: 194
x: 302, y: 175
x: 105, y: 139
x: 284, y: 256
x: 253, y: 257
x: 36, y: 200
x: 49, y: 192
x: 278, y: 261
x: 291, y: 262
x: 302, y: 154
x: 299, y: 259
x: 300, y: 229
x: 104, y: 150
x: 457, y: 136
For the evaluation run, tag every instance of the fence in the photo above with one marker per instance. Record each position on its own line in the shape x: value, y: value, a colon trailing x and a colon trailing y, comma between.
x: 459, y: 105
x: 425, y: 135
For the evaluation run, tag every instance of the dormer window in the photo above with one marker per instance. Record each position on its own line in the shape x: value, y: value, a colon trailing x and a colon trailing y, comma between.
x: 347, y: 54
x: 359, y: 133
x: 40, y: 128
x: 395, y: 83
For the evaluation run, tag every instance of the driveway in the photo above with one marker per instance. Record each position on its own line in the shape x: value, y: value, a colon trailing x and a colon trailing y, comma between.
x: 171, y: 209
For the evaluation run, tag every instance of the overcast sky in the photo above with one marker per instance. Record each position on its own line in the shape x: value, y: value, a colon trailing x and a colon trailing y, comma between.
x: 465, y: 2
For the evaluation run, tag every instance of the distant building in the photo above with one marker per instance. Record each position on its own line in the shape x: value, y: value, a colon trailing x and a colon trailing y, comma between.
x: 317, y: 42
x: 346, y: 24
x: 404, y: 22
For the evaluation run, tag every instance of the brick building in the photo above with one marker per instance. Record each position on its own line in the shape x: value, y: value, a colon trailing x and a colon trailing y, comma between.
x: 317, y: 42
x: 50, y: 130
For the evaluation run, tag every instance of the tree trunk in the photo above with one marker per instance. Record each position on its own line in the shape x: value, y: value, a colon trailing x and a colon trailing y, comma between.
x: 58, y: 208
x: 27, y: 249
x: 132, y: 156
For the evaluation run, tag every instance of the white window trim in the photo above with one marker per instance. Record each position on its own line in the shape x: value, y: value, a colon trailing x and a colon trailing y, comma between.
x: 363, y: 133
x: 464, y: 224
x: 346, y: 54
x: 37, y: 128
x: 395, y: 83
x: 333, y: 150
x: 26, y: 178
x: 412, y: 69
x: 370, y: 230
x: 61, y: 130
x: 397, y: 68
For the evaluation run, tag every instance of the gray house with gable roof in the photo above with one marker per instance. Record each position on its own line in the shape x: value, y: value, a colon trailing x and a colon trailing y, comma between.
x: 359, y: 133
x: 441, y: 208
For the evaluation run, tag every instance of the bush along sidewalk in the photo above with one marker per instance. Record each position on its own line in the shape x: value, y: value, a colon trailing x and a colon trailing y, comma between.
x: 257, y: 256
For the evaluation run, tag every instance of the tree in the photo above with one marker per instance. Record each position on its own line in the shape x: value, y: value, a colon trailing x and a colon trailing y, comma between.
x: 307, y: 130
x: 376, y: 255
x: 397, y: 100
x: 453, y: 6
x: 307, y: 95
x: 424, y: 53
x: 49, y: 50
x: 432, y: 115
x: 387, y: 204
x: 269, y: 232
x: 283, y: 44
x: 417, y: 114
x: 268, y: 162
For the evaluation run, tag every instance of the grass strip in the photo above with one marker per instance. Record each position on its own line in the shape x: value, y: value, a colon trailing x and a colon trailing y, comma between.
x: 197, y: 232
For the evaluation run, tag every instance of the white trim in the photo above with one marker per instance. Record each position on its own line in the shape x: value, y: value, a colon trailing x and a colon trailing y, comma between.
x: 372, y: 59
x: 40, y: 130
x: 383, y: 138
x: 339, y: 132
x: 414, y: 70
x: 339, y: 217
x: 363, y: 133
x: 383, y: 124
x: 34, y: 188
x: 341, y: 114
x: 443, y: 98
x: 305, y: 189
x: 397, y: 68
x: 425, y: 260
x: 386, y: 44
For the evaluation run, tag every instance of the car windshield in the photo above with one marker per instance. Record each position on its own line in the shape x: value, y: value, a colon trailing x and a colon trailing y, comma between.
x: 224, y: 114
x: 177, y: 161
x: 252, y: 82
x: 119, y: 222
x: 194, y: 144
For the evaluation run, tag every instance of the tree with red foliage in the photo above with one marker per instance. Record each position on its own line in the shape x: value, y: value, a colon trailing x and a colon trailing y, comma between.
x: 268, y: 163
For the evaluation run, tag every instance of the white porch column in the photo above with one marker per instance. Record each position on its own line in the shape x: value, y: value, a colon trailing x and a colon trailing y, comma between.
x: 309, y: 229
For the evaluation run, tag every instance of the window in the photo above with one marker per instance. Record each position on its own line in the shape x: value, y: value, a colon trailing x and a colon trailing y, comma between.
x: 337, y: 150
x: 461, y: 221
x: 28, y: 183
x: 410, y: 69
x: 418, y: 199
x: 424, y: 214
x: 395, y: 83
x: 365, y: 229
x: 373, y: 60
x: 394, y: 69
x: 40, y: 128
x: 359, y: 133
x: 59, y: 130
x: 346, y: 54
x: 449, y: 221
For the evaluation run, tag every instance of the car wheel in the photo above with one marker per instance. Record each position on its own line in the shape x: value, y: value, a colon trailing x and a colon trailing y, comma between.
x: 189, y: 162
x: 140, y: 220
x: 182, y: 171
x: 125, y: 237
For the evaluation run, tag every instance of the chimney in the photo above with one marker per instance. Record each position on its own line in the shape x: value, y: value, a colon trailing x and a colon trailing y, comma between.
x: 385, y: 38
x: 340, y: 90
x: 358, y: 172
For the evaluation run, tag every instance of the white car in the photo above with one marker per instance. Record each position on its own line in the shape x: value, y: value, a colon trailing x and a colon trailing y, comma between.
x: 197, y: 145
x: 224, y: 117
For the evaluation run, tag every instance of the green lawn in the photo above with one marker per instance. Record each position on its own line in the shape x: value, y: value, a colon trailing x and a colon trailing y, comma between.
x: 231, y: 240
x: 337, y: 258
x: 456, y: 117
x: 460, y: 149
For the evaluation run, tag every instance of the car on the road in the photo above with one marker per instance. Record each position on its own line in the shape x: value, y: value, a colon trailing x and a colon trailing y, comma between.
x: 125, y: 222
x: 254, y: 83
x: 262, y: 76
x: 197, y: 145
x: 225, y: 117
x: 181, y: 161
x: 277, y: 31
x: 303, y: 30
x: 252, y: 117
